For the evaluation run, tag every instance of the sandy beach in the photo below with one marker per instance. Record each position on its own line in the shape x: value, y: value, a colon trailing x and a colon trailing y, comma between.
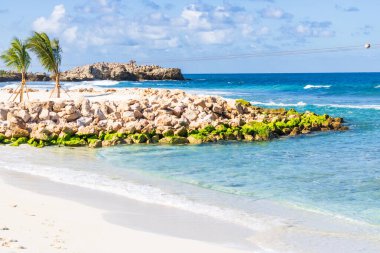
x: 63, y: 216
x: 35, y: 222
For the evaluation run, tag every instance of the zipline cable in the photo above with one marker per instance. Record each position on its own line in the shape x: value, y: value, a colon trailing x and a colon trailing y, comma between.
x: 259, y: 54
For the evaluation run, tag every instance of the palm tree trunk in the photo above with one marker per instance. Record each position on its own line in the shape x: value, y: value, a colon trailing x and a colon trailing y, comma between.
x: 57, y: 85
x: 23, y: 81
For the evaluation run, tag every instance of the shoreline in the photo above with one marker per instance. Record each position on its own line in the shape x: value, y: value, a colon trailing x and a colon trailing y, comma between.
x: 35, y: 206
x: 295, y: 231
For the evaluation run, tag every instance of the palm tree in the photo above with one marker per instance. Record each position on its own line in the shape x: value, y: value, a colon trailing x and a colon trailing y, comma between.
x: 18, y: 58
x: 49, y: 53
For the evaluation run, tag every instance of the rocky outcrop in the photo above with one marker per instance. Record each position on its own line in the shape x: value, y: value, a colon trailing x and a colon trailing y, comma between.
x: 121, y: 72
x: 11, y: 76
x: 103, y: 71
x: 152, y: 116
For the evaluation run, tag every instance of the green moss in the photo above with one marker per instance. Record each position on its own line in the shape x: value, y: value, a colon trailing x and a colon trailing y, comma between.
x: 207, y: 130
x: 110, y: 136
x: 174, y: 140
x: 168, y: 133
x: 19, y: 141
x: 260, y: 129
x: 139, y: 138
x: 220, y: 129
x: 2, y: 138
x: 292, y: 112
x: 75, y: 142
x: 193, y: 132
x: 101, y: 135
x: 63, y: 138
x: 38, y: 144
x: 310, y: 119
x: 93, y: 140
x: 199, y: 136
x: 243, y: 102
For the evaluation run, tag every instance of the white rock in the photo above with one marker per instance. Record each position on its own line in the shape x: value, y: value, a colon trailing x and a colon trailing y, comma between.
x: 84, y: 121
x: 44, y: 114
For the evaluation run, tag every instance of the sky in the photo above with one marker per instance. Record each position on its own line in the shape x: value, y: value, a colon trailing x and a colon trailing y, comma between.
x: 171, y: 33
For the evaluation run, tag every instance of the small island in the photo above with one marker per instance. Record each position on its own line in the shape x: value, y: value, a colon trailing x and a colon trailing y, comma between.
x: 103, y: 71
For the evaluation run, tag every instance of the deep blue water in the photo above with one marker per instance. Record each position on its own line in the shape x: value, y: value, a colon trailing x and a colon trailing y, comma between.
x: 337, y: 172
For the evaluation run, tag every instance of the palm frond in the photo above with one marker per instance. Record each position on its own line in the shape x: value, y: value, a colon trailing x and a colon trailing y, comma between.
x: 17, y: 56
x: 48, y: 51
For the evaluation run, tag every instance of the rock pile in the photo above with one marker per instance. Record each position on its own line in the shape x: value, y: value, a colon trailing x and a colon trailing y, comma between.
x: 157, y: 116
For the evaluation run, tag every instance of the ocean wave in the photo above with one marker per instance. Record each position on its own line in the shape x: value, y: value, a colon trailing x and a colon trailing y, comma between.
x: 377, y: 87
x: 278, y: 104
x: 83, y: 86
x: 302, y: 104
x: 310, y: 86
x: 141, y: 192
x: 375, y: 107
x: 45, y: 85
x: 94, y: 83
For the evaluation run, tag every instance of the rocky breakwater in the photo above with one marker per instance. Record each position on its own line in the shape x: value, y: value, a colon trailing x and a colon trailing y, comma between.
x: 121, y: 72
x: 157, y: 116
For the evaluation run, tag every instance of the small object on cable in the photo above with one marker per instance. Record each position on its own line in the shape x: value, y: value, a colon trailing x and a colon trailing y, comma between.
x: 367, y: 46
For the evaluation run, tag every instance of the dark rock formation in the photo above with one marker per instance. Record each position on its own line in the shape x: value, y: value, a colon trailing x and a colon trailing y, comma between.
x: 10, y: 76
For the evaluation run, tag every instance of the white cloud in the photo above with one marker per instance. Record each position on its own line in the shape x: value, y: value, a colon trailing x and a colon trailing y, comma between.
x: 309, y: 29
x: 214, y: 37
x: 275, y: 13
x: 52, y: 24
x: 195, y: 18
x: 70, y: 34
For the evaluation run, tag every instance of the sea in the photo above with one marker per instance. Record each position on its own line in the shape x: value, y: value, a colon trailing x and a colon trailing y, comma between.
x: 332, y: 173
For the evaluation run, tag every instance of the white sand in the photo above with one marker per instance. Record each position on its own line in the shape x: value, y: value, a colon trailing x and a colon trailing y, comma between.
x: 39, y: 223
x: 100, y: 94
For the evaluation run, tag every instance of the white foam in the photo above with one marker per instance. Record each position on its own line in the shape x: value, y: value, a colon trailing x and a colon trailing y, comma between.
x: 310, y: 86
x: 375, y: 107
x: 377, y: 87
x: 93, y: 83
x: 301, y: 104
x: 83, y: 86
x: 271, y: 103
x: 44, y: 85
x: 140, y: 192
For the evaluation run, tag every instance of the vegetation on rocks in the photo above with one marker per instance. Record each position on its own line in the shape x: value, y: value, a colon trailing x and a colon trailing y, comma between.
x: 158, y: 116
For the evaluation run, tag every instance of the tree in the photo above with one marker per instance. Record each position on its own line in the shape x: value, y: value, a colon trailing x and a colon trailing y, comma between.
x: 18, y: 58
x: 49, y: 52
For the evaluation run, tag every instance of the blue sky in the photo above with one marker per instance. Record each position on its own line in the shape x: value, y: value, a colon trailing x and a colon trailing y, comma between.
x: 169, y: 32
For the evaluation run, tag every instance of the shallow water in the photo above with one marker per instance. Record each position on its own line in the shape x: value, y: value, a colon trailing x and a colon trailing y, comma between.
x: 335, y: 172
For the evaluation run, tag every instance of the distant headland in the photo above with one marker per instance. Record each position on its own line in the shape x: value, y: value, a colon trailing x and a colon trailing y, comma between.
x: 103, y: 71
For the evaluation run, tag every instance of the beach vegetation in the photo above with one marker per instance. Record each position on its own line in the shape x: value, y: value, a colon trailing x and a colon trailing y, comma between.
x: 18, y: 58
x: 243, y: 102
x: 49, y: 53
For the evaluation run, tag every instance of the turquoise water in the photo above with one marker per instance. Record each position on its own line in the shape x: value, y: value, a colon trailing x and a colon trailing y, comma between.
x: 335, y: 172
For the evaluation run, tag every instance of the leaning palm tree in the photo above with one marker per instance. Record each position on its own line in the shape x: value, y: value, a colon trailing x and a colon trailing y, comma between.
x: 49, y: 53
x: 18, y: 58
